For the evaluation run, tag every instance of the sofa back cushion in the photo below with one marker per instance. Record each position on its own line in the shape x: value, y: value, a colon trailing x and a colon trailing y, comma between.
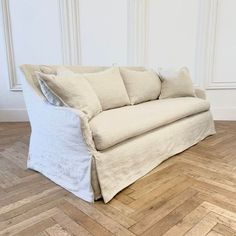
x: 109, y: 87
x: 176, y: 83
x: 73, y: 90
x: 142, y: 86
x: 32, y: 80
x: 107, y: 84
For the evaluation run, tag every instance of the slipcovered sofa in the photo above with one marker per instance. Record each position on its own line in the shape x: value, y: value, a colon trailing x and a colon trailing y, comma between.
x: 98, y: 155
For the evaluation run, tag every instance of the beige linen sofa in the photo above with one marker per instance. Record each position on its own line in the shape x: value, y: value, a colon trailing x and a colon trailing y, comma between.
x: 98, y: 156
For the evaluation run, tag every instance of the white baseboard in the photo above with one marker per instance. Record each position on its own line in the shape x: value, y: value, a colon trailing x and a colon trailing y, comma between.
x: 220, y: 113
x: 13, y: 115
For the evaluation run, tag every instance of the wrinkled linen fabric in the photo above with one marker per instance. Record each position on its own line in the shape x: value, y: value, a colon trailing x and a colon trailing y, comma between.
x: 71, y: 90
x: 109, y: 87
x: 117, y: 125
x: 122, y: 164
x: 141, y: 86
x: 57, y: 147
x: 107, y: 84
x: 176, y: 83
x: 62, y: 146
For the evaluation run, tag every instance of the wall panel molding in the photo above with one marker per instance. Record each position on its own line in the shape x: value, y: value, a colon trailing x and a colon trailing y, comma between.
x: 70, y: 31
x: 13, y: 80
x: 70, y: 34
x: 212, y: 24
x: 137, y: 35
x: 200, y: 49
x: 211, y: 42
x: 206, y: 47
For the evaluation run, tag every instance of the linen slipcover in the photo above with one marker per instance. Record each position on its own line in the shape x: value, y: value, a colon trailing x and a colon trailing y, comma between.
x: 62, y: 146
x: 176, y: 83
x: 71, y: 90
x: 141, y: 86
x: 114, y: 126
x: 109, y: 87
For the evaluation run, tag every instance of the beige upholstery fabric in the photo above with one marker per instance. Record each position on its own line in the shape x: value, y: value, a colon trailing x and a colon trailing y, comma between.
x: 63, y: 71
x: 141, y: 86
x: 176, y: 83
x: 200, y: 93
x: 47, y: 69
x: 121, y: 165
x: 109, y: 88
x: 73, y: 91
x: 116, y: 125
x: 30, y: 70
x: 124, y: 163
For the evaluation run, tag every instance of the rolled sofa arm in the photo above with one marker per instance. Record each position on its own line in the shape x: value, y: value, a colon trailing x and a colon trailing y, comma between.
x: 200, y: 93
x: 57, y: 147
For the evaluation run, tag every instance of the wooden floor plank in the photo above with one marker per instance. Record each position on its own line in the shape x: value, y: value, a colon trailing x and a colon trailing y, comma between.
x: 192, y: 193
x: 224, y: 230
x: 173, y: 218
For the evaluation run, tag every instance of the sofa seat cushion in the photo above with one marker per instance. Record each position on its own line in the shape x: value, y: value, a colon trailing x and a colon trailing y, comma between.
x: 114, y: 126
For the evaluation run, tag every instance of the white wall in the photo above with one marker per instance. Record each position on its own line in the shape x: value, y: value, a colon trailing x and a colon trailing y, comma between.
x: 158, y: 33
x: 172, y: 33
x: 221, y: 82
x: 202, y: 35
x: 10, y: 102
x: 103, y: 30
x: 35, y: 35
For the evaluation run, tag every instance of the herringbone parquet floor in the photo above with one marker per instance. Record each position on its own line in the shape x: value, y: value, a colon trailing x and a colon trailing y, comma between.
x: 193, y: 193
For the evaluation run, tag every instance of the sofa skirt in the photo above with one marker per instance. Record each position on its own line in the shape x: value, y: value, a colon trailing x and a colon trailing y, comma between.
x: 121, y: 165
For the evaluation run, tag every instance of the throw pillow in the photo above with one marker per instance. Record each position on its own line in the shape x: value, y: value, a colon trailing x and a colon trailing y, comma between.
x: 47, y: 69
x: 73, y: 91
x: 142, y: 86
x: 109, y: 87
x: 176, y: 83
